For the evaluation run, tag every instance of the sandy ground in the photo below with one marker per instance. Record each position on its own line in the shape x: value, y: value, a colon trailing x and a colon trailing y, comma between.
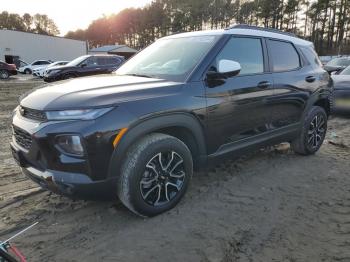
x: 272, y: 205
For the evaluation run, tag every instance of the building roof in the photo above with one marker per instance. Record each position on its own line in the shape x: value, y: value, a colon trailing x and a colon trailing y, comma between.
x: 114, y: 49
x: 37, y: 34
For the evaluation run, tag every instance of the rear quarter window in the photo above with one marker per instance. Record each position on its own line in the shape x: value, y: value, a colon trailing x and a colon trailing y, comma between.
x: 311, y: 56
x: 283, y: 55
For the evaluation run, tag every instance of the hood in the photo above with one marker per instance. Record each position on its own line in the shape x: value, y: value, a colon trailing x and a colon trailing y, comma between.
x: 98, y: 91
x: 341, y: 81
x: 61, y: 67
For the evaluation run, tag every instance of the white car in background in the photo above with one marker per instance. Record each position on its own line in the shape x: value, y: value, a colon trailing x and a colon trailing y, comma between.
x: 41, y: 71
x: 28, y: 69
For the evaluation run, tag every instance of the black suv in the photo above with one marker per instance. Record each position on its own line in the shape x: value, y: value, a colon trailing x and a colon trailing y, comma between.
x: 181, y: 103
x: 86, y: 65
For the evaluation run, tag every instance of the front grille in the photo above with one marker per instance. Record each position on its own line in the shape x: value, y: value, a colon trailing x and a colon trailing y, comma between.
x: 33, y: 114
x: 22, y: 137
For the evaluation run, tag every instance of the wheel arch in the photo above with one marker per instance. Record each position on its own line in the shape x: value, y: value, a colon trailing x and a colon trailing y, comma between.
x: 321, y: 99
x: 183, y: 126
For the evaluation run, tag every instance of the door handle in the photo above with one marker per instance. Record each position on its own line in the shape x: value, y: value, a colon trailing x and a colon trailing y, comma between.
x: 264, y: 84
x: 310, y: 79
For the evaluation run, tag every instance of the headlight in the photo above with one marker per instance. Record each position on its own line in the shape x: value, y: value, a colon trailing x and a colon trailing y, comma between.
x: 80, y: 114
x: 53, y: 71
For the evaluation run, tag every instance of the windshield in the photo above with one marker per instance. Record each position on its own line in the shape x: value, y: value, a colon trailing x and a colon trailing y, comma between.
x: 77, y: 61
x: 172, y: 59
x: 339, y: 62
x: 346, y: 71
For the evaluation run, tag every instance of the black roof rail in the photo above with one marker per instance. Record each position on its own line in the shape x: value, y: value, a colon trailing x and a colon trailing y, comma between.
x: 267, y: 29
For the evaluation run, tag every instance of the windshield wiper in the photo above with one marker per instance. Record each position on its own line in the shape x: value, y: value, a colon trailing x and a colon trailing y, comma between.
x: 139, y: 75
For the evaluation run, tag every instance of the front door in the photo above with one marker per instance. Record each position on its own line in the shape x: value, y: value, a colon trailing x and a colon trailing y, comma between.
x: 238, y: 107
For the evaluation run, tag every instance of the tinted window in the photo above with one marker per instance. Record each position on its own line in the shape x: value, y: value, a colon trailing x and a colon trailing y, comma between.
x: 36, y: 63
x: 311, y: 56
x: 91, y: 61
x: 101, y: 60
x: 284, y: 56
x: 113, y: 61
x: 246, y: 51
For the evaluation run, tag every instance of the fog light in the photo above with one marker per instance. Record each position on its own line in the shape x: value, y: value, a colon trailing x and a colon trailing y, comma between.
x: 70, y: 144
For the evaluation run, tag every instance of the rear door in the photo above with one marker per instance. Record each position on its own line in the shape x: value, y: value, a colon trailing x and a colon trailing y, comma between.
x: 294, y: 80
x: 238, y: 107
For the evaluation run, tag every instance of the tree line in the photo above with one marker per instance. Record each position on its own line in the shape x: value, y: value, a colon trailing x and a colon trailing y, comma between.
x: 324, y: 22
x: 37, y: 23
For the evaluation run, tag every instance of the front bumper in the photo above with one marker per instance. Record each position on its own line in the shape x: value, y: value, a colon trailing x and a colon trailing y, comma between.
x: 73, y: 185
x: 13, y: 72
x: 82, y: 177
x: 51, y: 78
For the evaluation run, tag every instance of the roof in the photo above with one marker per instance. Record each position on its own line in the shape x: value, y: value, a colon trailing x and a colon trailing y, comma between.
x: 250, y: 31
x: 114, y: 48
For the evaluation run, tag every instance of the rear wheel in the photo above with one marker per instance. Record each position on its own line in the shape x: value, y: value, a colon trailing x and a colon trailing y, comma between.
x: 4, y: 74
x: 27, y: 71
x: 155, y: 174
x: 313, y: 132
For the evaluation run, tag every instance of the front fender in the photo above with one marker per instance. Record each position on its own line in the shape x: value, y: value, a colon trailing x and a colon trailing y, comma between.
x: 152, y: 124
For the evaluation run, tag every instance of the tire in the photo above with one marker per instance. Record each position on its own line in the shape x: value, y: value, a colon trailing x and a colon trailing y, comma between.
x: 4, y: 74
x: 313, y: 132
x: 28, y: 71
x: 143, y: 185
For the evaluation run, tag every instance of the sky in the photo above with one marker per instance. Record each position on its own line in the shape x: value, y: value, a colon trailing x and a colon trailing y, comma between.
x: 70, y: 14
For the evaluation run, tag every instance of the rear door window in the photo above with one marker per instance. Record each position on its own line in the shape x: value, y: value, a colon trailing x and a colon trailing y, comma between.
x: 283, y: 55
x: 113, y: 61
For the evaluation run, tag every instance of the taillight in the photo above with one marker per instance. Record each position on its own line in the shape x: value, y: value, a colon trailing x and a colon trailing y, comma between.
x: 13, y: 66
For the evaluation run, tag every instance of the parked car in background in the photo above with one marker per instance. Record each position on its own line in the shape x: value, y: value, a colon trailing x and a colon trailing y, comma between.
x: 6, y: 70
x: 336, y: 65
x: 325, y: 59
x: 28, y: 69
x: 84, y: 66
x: 185, y: 100
x: 342, y: 90
x: 41, y: 71
x: 20, y: 63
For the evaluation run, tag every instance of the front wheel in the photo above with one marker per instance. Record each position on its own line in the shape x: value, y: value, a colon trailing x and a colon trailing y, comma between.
x: 69, y: 76
x: 313, y: 132
x: 28, y: 71
x: 155, y: 174
x: 4, y: 74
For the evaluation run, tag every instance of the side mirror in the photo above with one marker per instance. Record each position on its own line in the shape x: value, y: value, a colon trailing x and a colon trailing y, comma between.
x: 83, y: 65
x: 229, y: 68
x: 226, y: 68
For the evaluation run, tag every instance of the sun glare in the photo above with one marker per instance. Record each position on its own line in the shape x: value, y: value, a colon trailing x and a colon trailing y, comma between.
x: 71, y: 14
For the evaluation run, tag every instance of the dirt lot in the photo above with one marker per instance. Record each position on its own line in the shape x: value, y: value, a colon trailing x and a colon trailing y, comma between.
x: 272, y: 205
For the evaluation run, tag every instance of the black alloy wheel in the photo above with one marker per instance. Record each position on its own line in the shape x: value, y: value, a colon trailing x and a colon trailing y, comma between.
x: 317, y: 131
x: 163, y: 178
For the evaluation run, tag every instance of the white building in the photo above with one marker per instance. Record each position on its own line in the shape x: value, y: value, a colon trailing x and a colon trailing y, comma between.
x: 15, y: 46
